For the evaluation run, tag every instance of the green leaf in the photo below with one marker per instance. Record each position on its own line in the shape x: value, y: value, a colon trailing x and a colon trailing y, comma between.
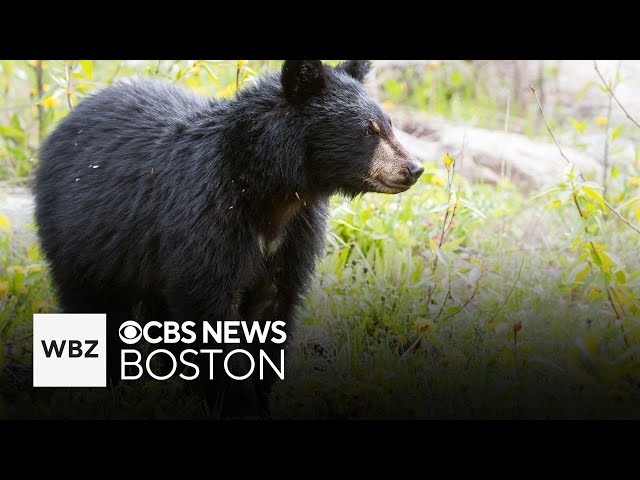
x: 546, y: 192
x: 7, y: 131
x: 545, y: 362
x: 15, y: 122
x: 616, y: 131
x: 579, y: 273
x: 615, y: 171
x: 4, y: 223
x: 212, y: 75
x: 594, y: 185
x: 456, y: 78
x: 471, y: 207
x: 578, y: 125
x: 628, y: 354
x: 433, y: 245
x: 34, y: 254
x: 603, y: 259
x: 438, y: 208
x: 339, y: 240
x: 448, y: 160
x: 608, y: 260
x: 629, y: 202
x: 581, y: 93
x: 425, y: 323
x: 437, y: 251
x: 595, y: 195
x: 60, y: 81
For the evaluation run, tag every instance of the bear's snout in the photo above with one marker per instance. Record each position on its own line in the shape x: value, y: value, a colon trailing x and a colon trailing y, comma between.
x: 393, y: 169
x: 414, y: 170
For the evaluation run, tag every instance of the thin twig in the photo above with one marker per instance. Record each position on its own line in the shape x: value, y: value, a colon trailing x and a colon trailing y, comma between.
x: 465, y: 303
x: 68, y: 68
x: 238, y: 68
x: 22, y: 339
x: 613, y: 305
x: 115, y: 73
x: 582, y: 177
x: 421, y: 334
x: 478, y: 334
x: 619, y: 215
x: 417, y: 340
x: 38, y: 70
x: 444, y: 304
x: 595, y: 64
x: 618, y: 300
x: 510, y: 292
x: 551, y: 132
x: 411, y: 347
x: 605, y: 169
x: 515, y: 356
x: 449, y: 214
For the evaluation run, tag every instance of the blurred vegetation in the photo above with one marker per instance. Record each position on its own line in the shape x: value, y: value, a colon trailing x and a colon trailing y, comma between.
x: 452, y: 300
x: 483, y: 93
x: 35, y: 94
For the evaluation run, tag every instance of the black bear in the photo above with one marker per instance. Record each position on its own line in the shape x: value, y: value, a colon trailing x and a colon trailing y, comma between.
x: 208, y: 210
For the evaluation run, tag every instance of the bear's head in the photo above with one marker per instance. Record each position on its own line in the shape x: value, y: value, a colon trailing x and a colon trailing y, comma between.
x: 349, y: 140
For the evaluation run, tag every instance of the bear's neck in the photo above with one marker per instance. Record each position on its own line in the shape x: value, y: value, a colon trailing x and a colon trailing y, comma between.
x: 264, y: 162
x: 264, y: 152
x: 275, y: 215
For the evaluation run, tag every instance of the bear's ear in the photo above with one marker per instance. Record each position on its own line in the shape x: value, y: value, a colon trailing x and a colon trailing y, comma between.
x: 358, y: 69
x: 302, y: 78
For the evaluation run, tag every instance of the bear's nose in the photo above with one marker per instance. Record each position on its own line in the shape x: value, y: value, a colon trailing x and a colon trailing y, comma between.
x: 415, y: 169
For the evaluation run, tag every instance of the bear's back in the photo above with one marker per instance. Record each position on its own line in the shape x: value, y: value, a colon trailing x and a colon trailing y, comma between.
x: 115, y: 168
x: 140, y: 111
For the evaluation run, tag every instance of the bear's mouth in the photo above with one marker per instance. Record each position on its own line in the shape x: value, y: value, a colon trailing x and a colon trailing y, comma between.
x: 392, y: 187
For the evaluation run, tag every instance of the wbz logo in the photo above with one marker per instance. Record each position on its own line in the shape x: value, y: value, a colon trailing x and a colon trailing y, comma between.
x: 69, y: 350
x: 75, y: 348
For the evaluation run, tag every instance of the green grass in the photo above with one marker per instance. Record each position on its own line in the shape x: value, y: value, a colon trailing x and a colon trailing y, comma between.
x: 370, y: 344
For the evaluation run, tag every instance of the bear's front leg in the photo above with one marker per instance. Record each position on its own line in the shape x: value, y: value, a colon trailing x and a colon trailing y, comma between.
x: 272, y: 301
x: 225, y: 396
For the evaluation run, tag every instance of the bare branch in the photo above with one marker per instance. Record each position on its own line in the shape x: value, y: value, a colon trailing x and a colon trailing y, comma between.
x: 513, y: 287
x: 595, y: 64
x: 619, y: 215
x: 605, y: 163
x: 417, y: 340
x: 475, y: 290
x: 38, y: 70
x: 607, y: 204
x: 68, y: 69
x: 551, y: 133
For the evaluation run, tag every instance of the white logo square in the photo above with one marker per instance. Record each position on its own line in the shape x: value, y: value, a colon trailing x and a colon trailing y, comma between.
x: 69, y: 350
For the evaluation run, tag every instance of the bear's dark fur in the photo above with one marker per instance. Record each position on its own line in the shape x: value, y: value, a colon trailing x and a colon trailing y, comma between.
x: 208, y: 209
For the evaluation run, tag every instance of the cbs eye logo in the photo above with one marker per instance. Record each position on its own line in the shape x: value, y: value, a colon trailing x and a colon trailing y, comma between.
x: 130, y: 332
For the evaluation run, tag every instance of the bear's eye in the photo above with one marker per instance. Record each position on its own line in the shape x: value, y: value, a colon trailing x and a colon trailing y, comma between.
x: 372, y: 128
